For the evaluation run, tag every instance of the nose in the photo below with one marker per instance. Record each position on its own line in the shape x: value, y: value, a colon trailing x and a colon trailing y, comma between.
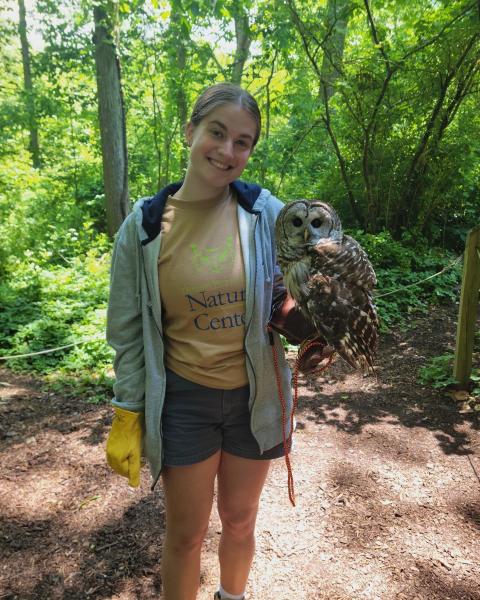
x: 226, y: 148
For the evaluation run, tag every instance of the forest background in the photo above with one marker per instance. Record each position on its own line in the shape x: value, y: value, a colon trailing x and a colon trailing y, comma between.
x: 372, y: 106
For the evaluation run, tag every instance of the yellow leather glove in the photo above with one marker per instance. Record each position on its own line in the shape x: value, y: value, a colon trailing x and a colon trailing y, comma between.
x: 124, y: 444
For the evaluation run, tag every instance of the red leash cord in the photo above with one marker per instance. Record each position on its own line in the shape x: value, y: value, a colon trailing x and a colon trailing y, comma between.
x: 287, y: 442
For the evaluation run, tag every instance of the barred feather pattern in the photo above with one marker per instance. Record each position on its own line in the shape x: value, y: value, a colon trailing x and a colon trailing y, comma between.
x: 330, y: 277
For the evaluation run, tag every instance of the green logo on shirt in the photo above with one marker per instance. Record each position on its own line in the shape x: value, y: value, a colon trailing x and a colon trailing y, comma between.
x: 213, y: 260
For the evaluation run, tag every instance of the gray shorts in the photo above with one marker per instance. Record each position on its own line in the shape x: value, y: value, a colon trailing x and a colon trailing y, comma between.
x: 197, y: 421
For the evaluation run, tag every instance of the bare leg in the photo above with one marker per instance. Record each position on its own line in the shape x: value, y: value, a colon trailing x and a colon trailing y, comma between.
x: 240, y: 483
x: 189, y: 497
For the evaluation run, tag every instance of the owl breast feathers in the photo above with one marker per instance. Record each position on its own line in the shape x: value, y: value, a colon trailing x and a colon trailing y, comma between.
x: 330, y: 277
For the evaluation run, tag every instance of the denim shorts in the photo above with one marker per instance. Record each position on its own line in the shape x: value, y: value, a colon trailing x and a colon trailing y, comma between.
x: 197, y: 421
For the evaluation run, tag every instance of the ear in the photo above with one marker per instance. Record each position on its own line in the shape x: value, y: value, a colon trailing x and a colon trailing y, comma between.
x: 189, y: 133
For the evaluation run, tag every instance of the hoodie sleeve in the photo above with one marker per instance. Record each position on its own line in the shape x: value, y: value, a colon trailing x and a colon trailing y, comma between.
x: 124, y: 319
x: 285, y: 317
x: 279, y: 290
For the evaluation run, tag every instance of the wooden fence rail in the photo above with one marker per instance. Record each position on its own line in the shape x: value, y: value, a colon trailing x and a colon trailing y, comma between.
x: 467, y: 314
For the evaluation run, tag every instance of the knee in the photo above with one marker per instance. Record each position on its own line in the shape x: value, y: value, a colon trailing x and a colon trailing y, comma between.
x: 238, y: 523
x: 184, y: 541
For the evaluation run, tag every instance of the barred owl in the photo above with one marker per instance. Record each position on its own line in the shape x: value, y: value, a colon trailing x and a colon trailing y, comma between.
x: 330, y: 277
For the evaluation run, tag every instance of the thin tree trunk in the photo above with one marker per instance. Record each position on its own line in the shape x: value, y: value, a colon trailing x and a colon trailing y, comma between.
x: 266, y: 136
x: 28, y: 86
x: 180, y: 39
x: 356, y: 210
x: 242, y: 35
x: 157, y: 116
x: 338, y: 15
x: 333, y: 43
x: 112, y: 121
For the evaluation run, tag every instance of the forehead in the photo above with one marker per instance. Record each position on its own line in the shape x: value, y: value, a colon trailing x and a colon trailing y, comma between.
x: 234, y: 118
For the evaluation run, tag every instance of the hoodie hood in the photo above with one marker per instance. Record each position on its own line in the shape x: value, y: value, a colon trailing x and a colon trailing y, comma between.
x: 152, y: 208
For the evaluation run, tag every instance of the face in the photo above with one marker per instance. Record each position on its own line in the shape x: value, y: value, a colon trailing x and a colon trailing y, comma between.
x: 221, y: 145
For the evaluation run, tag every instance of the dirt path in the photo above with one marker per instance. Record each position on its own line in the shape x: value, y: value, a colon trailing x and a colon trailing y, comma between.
x: 386, y: 475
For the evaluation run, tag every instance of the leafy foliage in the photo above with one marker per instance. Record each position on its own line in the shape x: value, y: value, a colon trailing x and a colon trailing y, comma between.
x: 437, y: 373
x: 403, y: 271
x: 47, y: 307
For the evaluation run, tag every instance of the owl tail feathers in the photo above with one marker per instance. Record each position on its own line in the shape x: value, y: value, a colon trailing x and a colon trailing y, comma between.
x: 357, y: 354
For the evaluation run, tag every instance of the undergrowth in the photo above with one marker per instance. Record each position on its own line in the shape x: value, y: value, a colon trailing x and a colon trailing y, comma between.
x: 438, y: 374
x: 399, y: 266
x: 47, y: 306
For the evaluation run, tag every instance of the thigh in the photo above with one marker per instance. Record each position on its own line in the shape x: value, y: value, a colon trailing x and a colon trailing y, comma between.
x: 189, y: 495
x: 240, y: 483
x: 191, y: 419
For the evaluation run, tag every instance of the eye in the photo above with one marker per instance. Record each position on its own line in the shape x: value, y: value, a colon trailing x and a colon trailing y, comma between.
x: 316, y: 223
x: 297, y: 222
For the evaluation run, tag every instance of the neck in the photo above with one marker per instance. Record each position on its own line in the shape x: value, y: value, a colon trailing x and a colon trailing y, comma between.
x: 192, y: 192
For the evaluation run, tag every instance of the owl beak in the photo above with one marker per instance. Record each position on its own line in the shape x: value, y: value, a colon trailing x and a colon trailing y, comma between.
x: 306, y: 235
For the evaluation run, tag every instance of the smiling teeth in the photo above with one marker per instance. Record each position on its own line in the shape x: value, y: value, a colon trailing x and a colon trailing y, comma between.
x: 218, y: 165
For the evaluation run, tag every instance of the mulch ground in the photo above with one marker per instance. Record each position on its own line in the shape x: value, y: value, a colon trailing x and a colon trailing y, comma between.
x: 387, y: 485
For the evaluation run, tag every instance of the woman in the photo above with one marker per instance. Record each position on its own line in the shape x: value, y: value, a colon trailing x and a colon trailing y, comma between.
x: 192, y: 287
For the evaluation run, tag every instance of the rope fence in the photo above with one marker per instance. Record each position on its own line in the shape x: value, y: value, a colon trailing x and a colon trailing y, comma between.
x: 95, y: 338
x: 405, y: 287
x: 50, y: 350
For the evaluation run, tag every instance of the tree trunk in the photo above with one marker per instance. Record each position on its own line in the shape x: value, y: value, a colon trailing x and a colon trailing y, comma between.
x: 28, y: 86
x: 242, y: 34
x: 112, y: 121
x: 333, y: 42
x: 179, y: 38
x: 335, y: 25
x: 338, y: 14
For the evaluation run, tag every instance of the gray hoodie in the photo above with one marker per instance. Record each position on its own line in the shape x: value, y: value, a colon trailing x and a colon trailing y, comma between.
x: 134, y: 318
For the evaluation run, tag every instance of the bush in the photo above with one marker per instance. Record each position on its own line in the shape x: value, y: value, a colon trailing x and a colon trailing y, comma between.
x: 399, y: 265
x: 52, y: 306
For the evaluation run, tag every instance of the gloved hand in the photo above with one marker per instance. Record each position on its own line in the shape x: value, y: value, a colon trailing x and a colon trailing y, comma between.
x: 124, y: 444
x: 312, y: 353
x: 288, y: 320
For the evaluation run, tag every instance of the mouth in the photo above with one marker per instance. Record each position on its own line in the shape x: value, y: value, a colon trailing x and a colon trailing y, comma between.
x: 219, y: 165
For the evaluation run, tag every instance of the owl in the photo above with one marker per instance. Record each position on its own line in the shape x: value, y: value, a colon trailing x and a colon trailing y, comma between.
x: 330, y: 277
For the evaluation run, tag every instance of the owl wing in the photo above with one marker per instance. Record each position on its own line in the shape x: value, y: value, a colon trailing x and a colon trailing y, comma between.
x: 340, y: 299
x: 344, y: 259
x: 346, y: 317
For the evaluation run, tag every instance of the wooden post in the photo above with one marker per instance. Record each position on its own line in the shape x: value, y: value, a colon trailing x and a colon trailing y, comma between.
x: 467, y: 314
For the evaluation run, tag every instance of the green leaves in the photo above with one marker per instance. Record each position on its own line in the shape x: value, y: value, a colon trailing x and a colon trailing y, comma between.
x: 438, y: 372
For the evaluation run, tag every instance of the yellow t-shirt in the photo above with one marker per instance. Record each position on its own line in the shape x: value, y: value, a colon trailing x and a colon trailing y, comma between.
x: 202, y: 288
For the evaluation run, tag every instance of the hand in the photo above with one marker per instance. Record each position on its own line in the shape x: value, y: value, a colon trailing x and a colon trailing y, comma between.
x: 288, y: 320
x: 312, y: 353
x: 124, y: 444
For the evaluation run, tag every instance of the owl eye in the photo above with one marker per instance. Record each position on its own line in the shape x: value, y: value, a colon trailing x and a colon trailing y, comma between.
x: 297, y: 222
x: 316, y: 223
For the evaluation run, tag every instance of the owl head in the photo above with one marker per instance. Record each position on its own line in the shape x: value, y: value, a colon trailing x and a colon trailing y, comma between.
x: 307, y: 222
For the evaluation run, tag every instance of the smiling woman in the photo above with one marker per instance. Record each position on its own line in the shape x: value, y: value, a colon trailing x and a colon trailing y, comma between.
x: 194, y: 279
